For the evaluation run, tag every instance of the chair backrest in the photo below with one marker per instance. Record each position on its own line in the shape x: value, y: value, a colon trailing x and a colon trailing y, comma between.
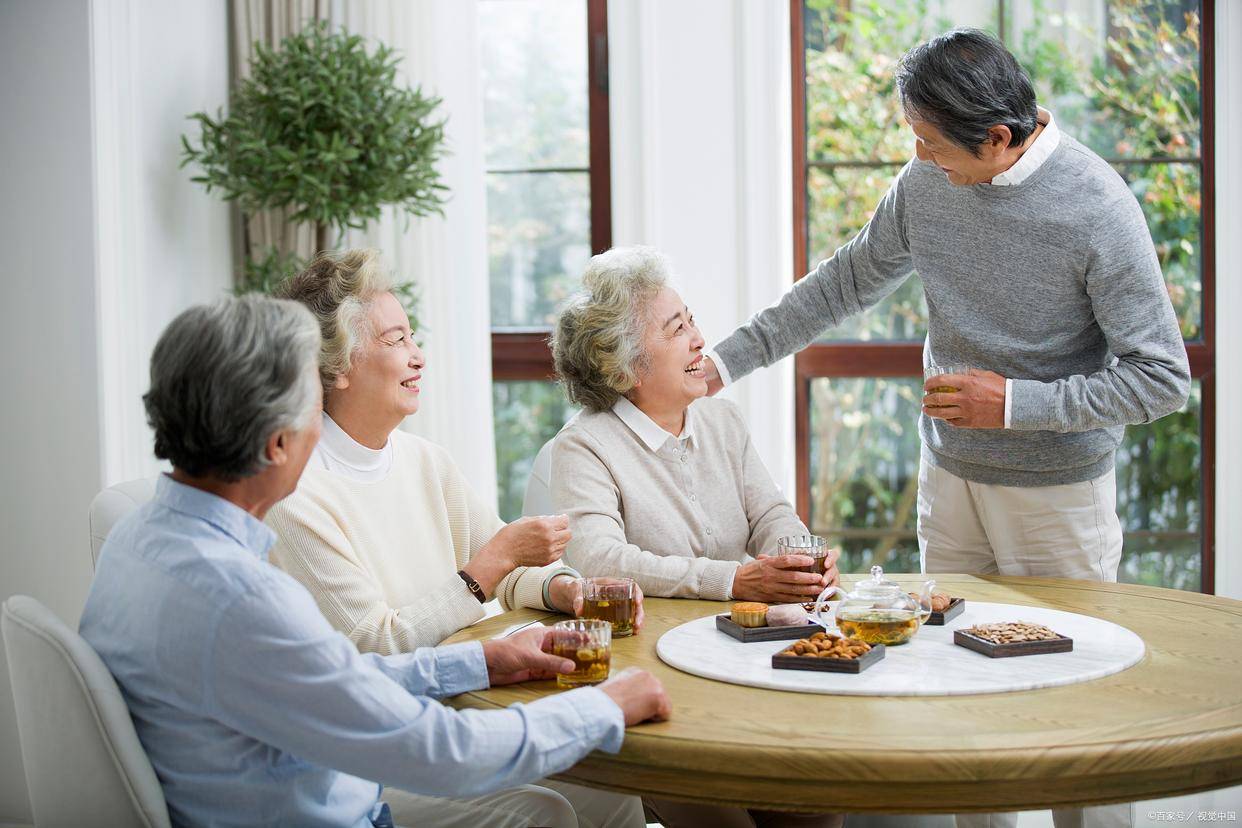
x: 114, y: 503
x: 84, y: 763
x: 538, y: 500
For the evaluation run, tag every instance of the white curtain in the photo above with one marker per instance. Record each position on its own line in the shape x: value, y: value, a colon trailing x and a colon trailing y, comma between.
x: 446, y: 257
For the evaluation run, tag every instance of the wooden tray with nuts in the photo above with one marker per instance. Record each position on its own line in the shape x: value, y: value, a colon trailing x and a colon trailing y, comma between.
x: 828, y: 653
x: 1012, y: 638
x: 944, y: 608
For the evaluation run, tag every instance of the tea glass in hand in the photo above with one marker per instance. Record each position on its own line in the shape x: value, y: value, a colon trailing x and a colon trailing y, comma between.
x: 812, y: 546
x: 587, y: 642
x: 941, y: 370
x: 612, y: 600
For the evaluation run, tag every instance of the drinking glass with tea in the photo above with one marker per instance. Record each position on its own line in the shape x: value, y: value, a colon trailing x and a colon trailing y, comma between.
x: 943, y: 370
x: 613, y: 600
x: 812, y: 546
x: 587, y: 642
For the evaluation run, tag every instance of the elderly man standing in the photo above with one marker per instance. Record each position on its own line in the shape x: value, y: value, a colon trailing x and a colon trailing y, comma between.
x: 1040, y: 273
x: 252, y: 709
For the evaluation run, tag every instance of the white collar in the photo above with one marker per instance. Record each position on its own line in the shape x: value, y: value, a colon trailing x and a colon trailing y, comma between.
x: 339, y: 450
x: 1036, y: 154
x: 646, y: 429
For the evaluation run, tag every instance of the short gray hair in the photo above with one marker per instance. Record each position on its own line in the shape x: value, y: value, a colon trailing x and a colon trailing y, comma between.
x: 598, y: 342
x: 225, y: 378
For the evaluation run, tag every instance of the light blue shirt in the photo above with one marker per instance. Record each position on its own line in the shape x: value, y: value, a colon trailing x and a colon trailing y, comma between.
x: 254, y: 711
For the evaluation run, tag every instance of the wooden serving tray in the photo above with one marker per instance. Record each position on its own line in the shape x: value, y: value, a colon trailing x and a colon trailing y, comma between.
x: 1019, y: 648
x: 748, y: 635
x: 829, y: 665
x: 956, y: 607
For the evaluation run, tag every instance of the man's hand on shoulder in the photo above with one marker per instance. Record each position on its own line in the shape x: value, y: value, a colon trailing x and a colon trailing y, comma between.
x: 978, y: 402
x: 712, y: 374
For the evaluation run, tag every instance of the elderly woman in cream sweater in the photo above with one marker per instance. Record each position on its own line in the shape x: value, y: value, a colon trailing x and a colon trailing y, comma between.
x: 660, y: 482
x: 383, y: 529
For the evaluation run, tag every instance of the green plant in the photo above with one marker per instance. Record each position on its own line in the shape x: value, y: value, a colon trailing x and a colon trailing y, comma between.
x: 322, y: 130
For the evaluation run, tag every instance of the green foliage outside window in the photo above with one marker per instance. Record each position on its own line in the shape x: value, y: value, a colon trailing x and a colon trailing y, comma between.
x: 1132, y: 93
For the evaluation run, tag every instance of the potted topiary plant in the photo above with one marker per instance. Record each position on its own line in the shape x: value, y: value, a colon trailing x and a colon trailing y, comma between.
x: 322, y: 130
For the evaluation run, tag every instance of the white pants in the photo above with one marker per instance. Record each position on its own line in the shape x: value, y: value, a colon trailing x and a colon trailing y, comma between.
x: 552, y: 804
x: 1066, y: 531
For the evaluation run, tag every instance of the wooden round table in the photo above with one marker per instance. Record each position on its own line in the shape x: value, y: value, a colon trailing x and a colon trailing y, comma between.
x: 1171, y: 724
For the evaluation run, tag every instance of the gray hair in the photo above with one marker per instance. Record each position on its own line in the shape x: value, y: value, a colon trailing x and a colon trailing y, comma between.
x: 339, y: 289
x: 225, y: 378
x: 965, y: 82
x: 598, y: 342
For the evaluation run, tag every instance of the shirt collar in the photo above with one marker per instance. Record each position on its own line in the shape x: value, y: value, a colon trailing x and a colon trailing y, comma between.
x: 1036, y: 154
x: 229, y: 518
x: 645, y: 428
x: 335, y: 441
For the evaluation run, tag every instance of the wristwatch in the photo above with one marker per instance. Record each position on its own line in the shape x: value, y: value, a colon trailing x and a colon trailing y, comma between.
x: 473, y: 586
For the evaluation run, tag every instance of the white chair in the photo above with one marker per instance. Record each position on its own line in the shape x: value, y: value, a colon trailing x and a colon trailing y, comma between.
x: 538, y: 499
x: 114, y: 503
x: 84, y: 763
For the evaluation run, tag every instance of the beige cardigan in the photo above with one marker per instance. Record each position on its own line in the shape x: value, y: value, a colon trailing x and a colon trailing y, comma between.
x: 679, y: 519
x: 381, y: 558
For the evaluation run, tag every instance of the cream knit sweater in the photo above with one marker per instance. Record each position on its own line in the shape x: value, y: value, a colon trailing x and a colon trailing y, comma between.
x: 381, y: 558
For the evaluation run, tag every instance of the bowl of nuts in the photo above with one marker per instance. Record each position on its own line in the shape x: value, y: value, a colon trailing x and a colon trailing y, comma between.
x: 1012, y: 638
x: 829, y: 653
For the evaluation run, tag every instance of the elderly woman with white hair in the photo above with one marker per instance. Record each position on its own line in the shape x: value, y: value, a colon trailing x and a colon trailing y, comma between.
x: 660, y: 482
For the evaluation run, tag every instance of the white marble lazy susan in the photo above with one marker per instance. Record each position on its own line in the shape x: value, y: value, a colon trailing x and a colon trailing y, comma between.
x: 930, y: 665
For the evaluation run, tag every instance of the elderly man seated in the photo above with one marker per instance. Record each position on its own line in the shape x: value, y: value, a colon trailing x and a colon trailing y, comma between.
x: 253, y: 710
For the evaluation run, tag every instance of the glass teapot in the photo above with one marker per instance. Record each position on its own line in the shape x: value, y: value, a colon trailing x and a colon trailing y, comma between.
x: 878, y: 611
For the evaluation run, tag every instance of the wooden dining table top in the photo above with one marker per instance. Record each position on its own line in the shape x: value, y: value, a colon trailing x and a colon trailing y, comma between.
x: 1169, y: 725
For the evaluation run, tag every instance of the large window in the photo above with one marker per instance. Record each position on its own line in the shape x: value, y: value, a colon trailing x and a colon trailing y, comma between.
x: 1129, y: 78
x: 545, y: 76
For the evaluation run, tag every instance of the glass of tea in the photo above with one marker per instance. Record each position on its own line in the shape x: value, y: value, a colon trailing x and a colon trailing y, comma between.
x: 612, y: 600
x: 940, y: 370
x: 812, y: 546
x: 587, y: 642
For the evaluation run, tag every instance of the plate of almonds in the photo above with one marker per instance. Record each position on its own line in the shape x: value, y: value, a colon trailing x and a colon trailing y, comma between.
x: 1012, y: 638
x: 828, y: 653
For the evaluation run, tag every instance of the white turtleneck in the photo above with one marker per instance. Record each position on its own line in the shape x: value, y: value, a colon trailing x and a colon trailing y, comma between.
x: 343, y: 455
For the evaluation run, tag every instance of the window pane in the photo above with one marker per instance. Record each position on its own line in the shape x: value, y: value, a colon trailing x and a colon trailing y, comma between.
x: 528, y: 414
x: 864, y: 479
x: 1159, y: 490
x: 534, y: 64
x: 539, y: 240
x: 864, y: 469
x: 841, y: 200
x: 1121, y: 76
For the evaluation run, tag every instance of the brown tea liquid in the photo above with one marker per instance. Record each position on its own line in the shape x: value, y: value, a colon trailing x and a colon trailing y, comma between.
x: 590, y: 664
x: 616, y: 611
x: 879, y: 626
x: 818, y: 566
x: 942, y: 389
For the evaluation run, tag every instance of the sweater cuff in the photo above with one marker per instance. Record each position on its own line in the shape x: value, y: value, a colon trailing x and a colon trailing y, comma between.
x: 717, y: 581
x: 726, y: 379
x: 528, y: 591
x: 1031, y: 404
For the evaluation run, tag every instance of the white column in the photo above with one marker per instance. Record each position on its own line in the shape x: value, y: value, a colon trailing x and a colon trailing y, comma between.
x: 1228, y: 299
x: 701, y: 169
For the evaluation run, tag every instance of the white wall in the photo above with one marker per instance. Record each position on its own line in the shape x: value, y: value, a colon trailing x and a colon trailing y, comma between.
x: 105, y: 240
x: 701, y: 169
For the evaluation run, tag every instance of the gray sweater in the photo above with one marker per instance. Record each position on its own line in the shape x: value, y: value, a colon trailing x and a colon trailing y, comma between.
x: 1052, y: 282
x: 679, y: 520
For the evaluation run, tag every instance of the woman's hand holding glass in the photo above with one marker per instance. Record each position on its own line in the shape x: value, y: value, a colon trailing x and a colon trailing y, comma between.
x: 777, y: 579
x: 567, y: 596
